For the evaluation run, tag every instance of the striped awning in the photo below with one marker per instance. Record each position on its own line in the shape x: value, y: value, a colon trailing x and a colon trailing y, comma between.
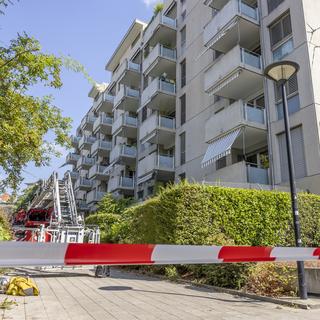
x: 220, y: 148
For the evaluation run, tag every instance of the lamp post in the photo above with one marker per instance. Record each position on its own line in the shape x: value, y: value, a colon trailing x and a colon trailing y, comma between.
x: 280, y: 72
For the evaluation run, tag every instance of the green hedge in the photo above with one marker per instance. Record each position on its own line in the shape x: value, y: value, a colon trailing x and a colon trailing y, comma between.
x: 200, y: 214
x: 206, y: 215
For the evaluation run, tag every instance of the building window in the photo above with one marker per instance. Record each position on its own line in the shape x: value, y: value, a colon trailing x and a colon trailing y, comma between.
x: 183, y: 73
x: 292, y: 95
x: 297, y: 153
x: 182, y: 109
x: 281, y: 37
x: 221, y: 163
x: 144, y: 114
x: 183, y: 36
x: 140, y: 194
x: 272, y: 4
x: 182, y: 148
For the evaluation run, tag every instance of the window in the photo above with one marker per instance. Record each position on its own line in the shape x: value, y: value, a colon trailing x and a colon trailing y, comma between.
x: 221, y: 163
x: 144, y: 114
x: 297, y: 153
x: 183, y: 36
x: 272, y: 4
x: 281, y: 37
x: 182, y: 148
x: 182, y: 109
x: 292, y: 95
x: 183, y: 73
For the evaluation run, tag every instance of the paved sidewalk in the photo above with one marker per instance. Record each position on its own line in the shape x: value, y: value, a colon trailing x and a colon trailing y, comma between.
x: 78, y: 295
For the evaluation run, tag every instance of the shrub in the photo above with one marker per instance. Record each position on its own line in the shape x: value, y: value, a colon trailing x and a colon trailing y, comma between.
x: 157, y: 8
x: 4, y: 227
x: 272, y: 279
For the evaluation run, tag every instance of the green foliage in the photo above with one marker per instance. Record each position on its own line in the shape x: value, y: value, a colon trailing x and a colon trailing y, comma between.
x: 207, y: 215
x: 25, y: 197
x: 272, y: 279
x: 25, y: 120
x: 4, y: 227
x: 158, y: 8
x: 110, y: 218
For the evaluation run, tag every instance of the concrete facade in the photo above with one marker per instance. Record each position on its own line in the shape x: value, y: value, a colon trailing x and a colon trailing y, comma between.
x: 188, y: 99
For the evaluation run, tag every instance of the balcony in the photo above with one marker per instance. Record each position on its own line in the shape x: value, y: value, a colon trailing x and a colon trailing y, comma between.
x: 129, y: 73
x: 237, y: 115
x: 87, y: 122
x: 158, y: 129
x: 162, y: 164
x: 123, y: 154
x: 101, y: 148
x: 160, y: 29
x: 215, y: 4
x: 236, y: 23
x: 86, y: 142
x: 74, y: 175
x: 159, y: 95
x: 121, y: 184
x: 240, y: 174
x: 85, y: 163
x: 236, y: 75
x: 83, y: 184
x: 125, y: 126
x: 82, y: 205
x: 97, y: 172
x: 104, y: 103
x: 75, y: 141
x: 127, y: 99
x: 160, y: 60
x: 103, y: 124
x: 95, y: 196
x: 72, y: 158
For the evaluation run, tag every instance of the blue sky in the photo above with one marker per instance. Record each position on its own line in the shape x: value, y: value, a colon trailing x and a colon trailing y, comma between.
x: 88, y: 31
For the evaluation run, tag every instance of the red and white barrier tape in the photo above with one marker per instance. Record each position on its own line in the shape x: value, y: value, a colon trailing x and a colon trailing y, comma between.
x: 59, y: 254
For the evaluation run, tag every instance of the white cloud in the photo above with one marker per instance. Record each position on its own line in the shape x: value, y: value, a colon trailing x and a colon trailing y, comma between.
x: 148, y: 3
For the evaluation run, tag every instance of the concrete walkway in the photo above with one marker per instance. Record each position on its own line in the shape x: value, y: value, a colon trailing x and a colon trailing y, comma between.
x: 76, y: 294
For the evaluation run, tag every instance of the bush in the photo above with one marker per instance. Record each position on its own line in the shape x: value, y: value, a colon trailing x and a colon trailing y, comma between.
x: 5, y: 233
x: 206, y: 215
x: 273, y: 279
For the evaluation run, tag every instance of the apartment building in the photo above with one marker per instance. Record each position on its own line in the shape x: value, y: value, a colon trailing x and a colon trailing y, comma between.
x: 188, y: 100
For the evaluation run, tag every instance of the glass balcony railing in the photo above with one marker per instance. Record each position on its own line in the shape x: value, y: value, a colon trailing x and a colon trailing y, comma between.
x: 165, y: 161
x: 126, y: 182
x: 257, y: 174
x: 133, y: 66
x: 167, y: 86
x: 168, y: 21
x: 71, y: 157
x: 248, y: 10
x: 130, y: 120
x: 254, y: 114
x: 167, y: 52
x: 129, y: 150
x: 167, y: 122
x: 251, y: 58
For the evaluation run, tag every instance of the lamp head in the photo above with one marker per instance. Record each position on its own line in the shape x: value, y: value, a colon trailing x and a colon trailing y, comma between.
x: 281, y: 71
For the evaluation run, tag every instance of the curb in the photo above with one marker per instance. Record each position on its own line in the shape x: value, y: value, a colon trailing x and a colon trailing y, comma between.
x: 306, y: 305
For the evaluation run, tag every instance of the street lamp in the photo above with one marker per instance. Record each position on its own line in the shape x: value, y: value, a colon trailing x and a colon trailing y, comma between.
x: 280, y: 72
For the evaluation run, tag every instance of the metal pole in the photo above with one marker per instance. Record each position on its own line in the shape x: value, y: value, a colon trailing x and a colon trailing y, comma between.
x: 301, y: 274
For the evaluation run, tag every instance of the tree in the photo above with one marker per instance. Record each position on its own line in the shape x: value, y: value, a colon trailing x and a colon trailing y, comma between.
x: 26, y: 120
x: 157, y: 8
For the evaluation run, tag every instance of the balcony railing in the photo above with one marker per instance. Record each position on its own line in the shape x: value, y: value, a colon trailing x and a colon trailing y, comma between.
x: 85, y: 161
x: 165, y: 161
x: 95, y: 196
x: 97, y: 170
x: 155, y: 161
x: 126, y: 92
x: 75, y: 140
x: 87, y: 140
x: 72, y: 157
x: 251, y: 58
x: 102, y: 145
x: 257, y: 174
x: 88, y: 119
x: 83, y: 183
x: 122, y: 150
x: 126, y: 182
x: 158, y: 51
x: 253, y: 114
x: 124, y: 120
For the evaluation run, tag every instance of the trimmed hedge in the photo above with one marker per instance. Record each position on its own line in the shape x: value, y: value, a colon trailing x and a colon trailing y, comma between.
x: 206, y: 215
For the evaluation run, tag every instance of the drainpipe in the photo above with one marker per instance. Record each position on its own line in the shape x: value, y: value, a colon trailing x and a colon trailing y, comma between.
x: 267, y: 104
